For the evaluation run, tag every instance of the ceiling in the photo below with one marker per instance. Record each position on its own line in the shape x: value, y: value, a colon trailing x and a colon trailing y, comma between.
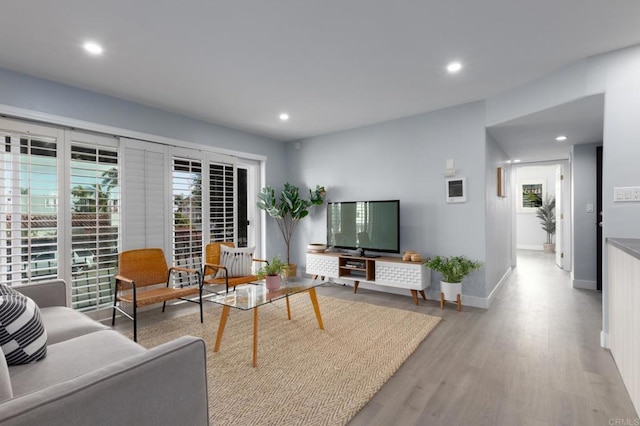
x: 331, y: 65
x: 532, y: 138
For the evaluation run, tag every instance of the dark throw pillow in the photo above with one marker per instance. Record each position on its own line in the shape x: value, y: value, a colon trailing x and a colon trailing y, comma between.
x: 22, y: 335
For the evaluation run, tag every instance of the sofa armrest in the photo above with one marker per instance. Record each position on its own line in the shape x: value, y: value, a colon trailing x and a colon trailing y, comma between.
x: 45, y: 293
x: 166, y: 385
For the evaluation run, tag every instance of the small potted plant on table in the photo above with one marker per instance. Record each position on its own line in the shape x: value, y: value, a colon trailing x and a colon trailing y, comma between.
x: 453, y: 270
x: 271, y: 273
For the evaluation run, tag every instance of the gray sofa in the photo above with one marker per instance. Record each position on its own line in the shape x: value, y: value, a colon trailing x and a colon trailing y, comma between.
x: 94, y: 375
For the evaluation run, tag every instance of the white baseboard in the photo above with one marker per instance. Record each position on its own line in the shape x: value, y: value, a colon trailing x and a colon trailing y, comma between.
x: 585, y: 284
x: 604, y: 339
x: 537, y: 247
x: 434, y: 294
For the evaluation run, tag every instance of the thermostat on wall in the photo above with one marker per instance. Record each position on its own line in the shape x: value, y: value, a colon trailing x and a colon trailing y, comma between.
x: 456, y: 189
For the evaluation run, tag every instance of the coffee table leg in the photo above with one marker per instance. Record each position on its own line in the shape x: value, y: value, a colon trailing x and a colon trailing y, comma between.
x: 255, y: 337
x: 223, y: 323
x: 288, y: 308
x: 316, y: 307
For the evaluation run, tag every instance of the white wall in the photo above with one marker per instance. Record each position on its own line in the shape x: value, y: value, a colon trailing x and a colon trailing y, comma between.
x: 498, y: 226
x: 404, y: 159
x: 529, y: 233
x: 584, y: 193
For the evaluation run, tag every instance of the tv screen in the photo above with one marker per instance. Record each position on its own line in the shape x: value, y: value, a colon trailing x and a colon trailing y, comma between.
x: 365, y: 225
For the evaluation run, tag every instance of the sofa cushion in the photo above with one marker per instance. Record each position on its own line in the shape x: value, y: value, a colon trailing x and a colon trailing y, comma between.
x: 64, y: 323
x: 72, y: 358
x: 22, y: 334
x: 5, y: 380
x: 238, y: 261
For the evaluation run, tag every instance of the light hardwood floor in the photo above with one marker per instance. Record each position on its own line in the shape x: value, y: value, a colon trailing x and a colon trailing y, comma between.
x: 533, y: 358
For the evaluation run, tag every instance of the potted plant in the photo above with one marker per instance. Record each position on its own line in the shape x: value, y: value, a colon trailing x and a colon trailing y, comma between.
x: 453, y: 269
x: 547, y: 215
x: 288, y: 209
x: 271, y: 273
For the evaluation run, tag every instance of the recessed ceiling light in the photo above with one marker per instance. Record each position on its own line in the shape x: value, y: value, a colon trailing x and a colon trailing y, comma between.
x: 516, y: 161
x: 454, y: 67
x: 284, y: 116
x: 561, y: 138
x: 93, y: 48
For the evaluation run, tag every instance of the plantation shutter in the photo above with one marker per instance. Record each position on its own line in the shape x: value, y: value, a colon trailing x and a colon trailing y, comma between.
x: 144, y: 201
x: 222, y: 202
x: 187, y: 212
x: 29, y: 202
x: 95, y: 220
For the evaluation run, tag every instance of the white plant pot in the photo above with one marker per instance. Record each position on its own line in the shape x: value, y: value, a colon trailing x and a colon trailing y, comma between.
x: 450, y: 290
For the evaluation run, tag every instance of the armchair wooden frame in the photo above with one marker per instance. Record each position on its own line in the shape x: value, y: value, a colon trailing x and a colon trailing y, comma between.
x: 212, y: 265
x: 148, y: 267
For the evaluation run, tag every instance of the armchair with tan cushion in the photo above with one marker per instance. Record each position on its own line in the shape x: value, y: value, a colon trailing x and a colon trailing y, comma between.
x: 141, y: 271
x: 225, y: 264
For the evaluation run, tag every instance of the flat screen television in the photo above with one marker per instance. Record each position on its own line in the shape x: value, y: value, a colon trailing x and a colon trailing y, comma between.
x: 364, y: 225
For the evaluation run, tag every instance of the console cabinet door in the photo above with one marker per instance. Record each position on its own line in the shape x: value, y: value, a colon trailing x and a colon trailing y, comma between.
x: 323, y: 265
x: 413, y: 276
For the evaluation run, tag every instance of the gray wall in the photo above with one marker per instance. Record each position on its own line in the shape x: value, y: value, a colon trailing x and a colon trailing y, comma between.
x: 584, y: 231
x: 498, y: 211
x: 404, y: 159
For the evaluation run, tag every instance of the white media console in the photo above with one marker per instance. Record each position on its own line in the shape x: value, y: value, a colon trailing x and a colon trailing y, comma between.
x: 383, y: 271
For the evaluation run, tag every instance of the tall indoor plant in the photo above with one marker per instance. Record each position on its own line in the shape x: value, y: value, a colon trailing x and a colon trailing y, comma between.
x: 453, y: 269
x: 288, y: 209
x: 547, y: 215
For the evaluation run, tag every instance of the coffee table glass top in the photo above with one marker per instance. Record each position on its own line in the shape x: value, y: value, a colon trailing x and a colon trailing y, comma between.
x: 249, y: 296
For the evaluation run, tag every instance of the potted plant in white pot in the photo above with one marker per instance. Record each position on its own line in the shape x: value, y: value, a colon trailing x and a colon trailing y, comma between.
x: 271, y: 273
x: 453, y: 269
x: 287, y: 210
x: 547, y: 215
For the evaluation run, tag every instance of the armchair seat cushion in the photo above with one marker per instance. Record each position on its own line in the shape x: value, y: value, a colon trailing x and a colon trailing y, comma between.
x: 157, y: 295
x: 233, y: 281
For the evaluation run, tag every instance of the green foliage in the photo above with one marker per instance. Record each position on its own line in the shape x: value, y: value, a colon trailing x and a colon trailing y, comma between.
x: 274, y: 267
x: 547, y: 215
x: 454, y: 268
x: 289, y: 208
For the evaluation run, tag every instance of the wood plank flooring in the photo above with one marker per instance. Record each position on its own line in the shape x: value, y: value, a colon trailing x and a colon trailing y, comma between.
x: 533, y: 358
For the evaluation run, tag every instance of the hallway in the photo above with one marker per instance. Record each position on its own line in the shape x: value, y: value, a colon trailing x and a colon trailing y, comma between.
x: 533, y: 358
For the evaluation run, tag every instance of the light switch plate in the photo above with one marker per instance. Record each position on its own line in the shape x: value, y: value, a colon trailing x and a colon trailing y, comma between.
x: 626, y: 194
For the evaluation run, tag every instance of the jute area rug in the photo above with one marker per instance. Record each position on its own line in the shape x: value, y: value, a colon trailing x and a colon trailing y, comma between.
x: 305, y: 376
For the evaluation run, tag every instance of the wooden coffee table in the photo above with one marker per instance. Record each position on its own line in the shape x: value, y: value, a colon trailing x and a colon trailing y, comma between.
x: 252, y: 296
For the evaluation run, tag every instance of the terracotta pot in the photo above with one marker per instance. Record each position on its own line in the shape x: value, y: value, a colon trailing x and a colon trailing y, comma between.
x: 273, y: 282
x: 450, y: 290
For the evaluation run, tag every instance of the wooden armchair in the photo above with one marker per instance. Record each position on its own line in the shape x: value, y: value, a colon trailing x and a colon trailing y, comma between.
x: 213, y: 264
x: 148, y: 267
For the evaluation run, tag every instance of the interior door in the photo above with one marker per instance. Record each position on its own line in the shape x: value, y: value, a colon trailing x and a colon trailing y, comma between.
x: 559, y: 218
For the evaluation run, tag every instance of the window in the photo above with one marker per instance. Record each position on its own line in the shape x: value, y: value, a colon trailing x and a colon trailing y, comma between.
x: 95, y: 223
x: 187, y: 214
x: 222, y: 203
x: 29, y: 235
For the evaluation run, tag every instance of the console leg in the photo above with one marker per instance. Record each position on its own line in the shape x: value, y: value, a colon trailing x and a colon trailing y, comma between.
x: 355, y: 286
x: 459, y: 303
x: 414, y: 293
x: 441, y: 300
